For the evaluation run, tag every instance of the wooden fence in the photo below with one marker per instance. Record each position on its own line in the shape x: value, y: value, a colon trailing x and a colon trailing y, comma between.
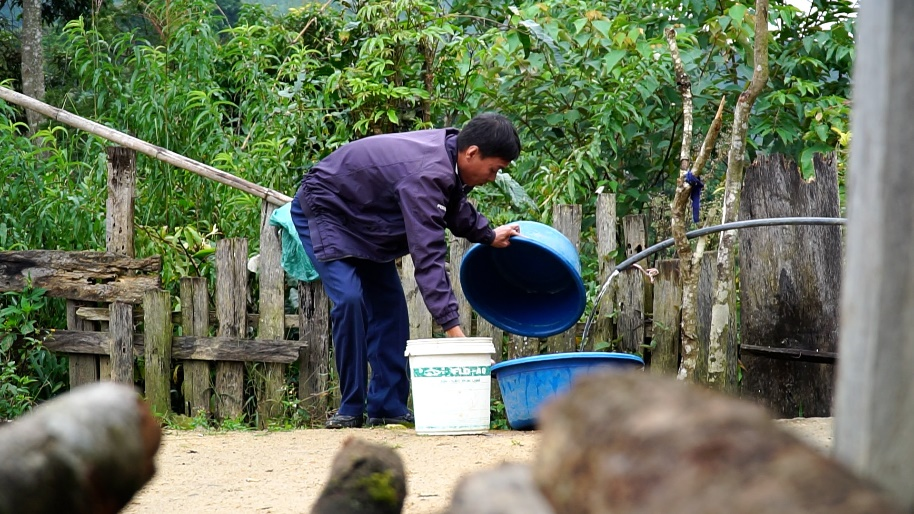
x: 220, y: 344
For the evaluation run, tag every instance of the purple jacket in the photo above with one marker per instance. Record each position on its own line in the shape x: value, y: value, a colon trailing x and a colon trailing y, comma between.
x: 382, y: 197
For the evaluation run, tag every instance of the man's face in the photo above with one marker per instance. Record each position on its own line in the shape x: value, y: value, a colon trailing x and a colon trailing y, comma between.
x: 476, y: 170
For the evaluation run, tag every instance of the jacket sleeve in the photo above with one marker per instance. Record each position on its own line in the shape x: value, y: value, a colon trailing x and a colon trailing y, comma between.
x: 465, y: 221
x: 423, y: 203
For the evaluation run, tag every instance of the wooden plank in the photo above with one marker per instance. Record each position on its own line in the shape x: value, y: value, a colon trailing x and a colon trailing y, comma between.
x: 486, y: 329
x: 630, y: 292
x: 789, y: 284
x: 458, y: 247
x: 634, y: 232
x: 236, y: 350
x: 121, y: 343
x: 101, y: 314
x: 420, y: 320
x: 567, y: 220
x: 521, y: 346
x: 231, y: 307
x: 87, y: 276
x: 666, y: 321
x: 158, y: 337
x: 183, y: 347
x: 270, y: 385
x: 630, y: 308
x: 603, y: 329
x: 315, y: 364
x: 197, y: 385
x: 104, y: 361
x: 707, y: 280
x: 83, y: 368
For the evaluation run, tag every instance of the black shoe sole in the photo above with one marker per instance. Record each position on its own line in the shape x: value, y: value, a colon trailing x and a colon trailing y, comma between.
x: 380, y: 422
x: 333, y: 425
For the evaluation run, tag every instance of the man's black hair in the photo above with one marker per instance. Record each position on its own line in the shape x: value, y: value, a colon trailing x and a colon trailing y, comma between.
x: 493, y: 134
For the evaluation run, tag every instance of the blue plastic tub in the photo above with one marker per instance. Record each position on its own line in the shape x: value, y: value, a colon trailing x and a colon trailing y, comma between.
x: 526, y: 383
x: 531, y: 288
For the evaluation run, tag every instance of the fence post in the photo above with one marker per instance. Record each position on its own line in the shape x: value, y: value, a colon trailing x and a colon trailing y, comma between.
x: 607, y: 244
x: 665, y: 330
x: 83, y: 368
x: 195, y: 322
x: 458, y: 248
x: 119, y: 231
x: 874, y: 414
x: 707, y: 281
x: 420, y: 320
x: 270, y: 387
x: 631, y: 287
x: 157, y: 349
x: 231, y: 311
x: 121, y: 339
x: 567, y: 220
x: 314, y: 360
x: 520, y: 346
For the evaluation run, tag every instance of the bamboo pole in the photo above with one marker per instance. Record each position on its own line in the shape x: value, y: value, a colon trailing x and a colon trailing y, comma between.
x: 156, y: 152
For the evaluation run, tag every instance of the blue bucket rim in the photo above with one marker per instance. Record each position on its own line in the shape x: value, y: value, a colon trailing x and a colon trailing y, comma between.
x: 565, y: 356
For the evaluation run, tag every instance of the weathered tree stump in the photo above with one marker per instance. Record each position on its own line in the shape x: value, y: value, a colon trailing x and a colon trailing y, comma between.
x: 789, y: 285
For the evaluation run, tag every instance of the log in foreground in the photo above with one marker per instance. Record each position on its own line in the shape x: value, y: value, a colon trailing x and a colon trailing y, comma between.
x: 365, y: 478
x: 636, y: 443
x: 86, y: 452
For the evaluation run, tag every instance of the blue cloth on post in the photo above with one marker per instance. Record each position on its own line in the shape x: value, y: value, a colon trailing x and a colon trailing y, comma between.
x: 294, y: 259
x: 695, y: 193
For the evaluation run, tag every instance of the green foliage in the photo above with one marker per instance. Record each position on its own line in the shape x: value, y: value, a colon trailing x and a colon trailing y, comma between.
x: 498, y: 416
x: 190, y: 251
x: 29, y: 373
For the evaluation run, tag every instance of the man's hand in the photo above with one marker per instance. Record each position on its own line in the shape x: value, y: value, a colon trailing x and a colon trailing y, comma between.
x: 503, y: 235
x: 454, y: 332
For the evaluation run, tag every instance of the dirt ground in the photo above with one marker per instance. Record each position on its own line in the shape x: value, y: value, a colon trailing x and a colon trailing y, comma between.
x: 283, y: 472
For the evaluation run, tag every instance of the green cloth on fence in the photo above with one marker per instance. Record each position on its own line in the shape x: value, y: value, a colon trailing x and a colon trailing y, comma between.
x: 294, y: 259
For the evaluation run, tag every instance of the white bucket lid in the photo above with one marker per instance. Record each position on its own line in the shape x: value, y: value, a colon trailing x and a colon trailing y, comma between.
x: 450, y: 346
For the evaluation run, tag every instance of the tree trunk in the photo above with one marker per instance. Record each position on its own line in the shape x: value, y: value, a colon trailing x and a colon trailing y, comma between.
x: 688, y: 261
x: 32, y: 58
x: 720, y: 375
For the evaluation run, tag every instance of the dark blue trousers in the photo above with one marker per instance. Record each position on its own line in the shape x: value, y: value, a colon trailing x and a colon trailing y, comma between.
x: 370, y: 326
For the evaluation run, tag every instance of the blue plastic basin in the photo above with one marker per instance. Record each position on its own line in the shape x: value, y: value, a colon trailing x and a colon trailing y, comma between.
x: 531, y: 288
x: 526, y: 383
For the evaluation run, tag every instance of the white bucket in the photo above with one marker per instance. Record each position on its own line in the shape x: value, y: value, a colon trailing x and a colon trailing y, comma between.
x: 451, y: 383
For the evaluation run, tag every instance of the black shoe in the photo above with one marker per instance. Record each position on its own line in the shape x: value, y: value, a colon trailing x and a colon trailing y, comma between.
x: 343, y: 421
x: 406, y: 420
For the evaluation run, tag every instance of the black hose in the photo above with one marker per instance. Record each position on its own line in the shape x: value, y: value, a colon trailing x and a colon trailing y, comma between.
x: 763, y: 222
